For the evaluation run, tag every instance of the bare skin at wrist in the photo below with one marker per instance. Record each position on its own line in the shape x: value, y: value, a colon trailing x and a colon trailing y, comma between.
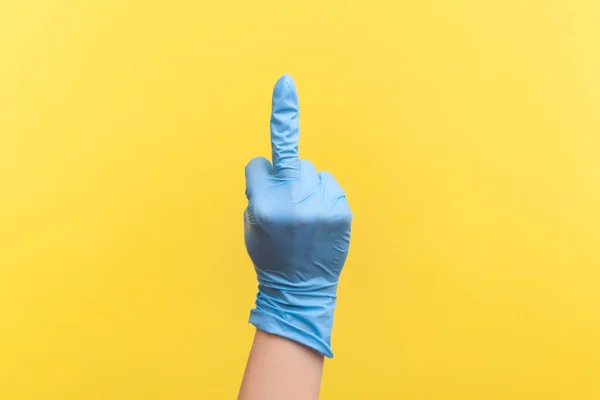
x: 280, y: 369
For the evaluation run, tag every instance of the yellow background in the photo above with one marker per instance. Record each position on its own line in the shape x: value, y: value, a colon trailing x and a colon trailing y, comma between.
x: 466, y: 134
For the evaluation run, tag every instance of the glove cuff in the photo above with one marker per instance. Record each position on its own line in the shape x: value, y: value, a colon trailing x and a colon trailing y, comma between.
x: 304, y: 317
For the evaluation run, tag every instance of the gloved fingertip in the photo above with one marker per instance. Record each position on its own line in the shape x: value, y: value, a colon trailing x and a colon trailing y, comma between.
x: 285, y: 81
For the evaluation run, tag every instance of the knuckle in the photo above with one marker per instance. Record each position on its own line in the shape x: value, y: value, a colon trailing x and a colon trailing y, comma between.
x: 307, y: 167
x: 254, y: 163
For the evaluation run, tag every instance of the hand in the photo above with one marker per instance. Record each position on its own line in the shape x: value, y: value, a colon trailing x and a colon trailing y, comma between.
x: 297, y: 233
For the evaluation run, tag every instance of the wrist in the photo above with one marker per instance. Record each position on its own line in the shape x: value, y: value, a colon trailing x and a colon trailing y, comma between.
x: 302, y: 314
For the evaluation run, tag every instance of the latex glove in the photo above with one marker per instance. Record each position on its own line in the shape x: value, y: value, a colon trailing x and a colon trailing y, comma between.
x: 297, y: 233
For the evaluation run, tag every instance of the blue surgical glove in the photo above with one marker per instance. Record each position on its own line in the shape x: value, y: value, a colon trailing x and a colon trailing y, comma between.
x: 297, y: 232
